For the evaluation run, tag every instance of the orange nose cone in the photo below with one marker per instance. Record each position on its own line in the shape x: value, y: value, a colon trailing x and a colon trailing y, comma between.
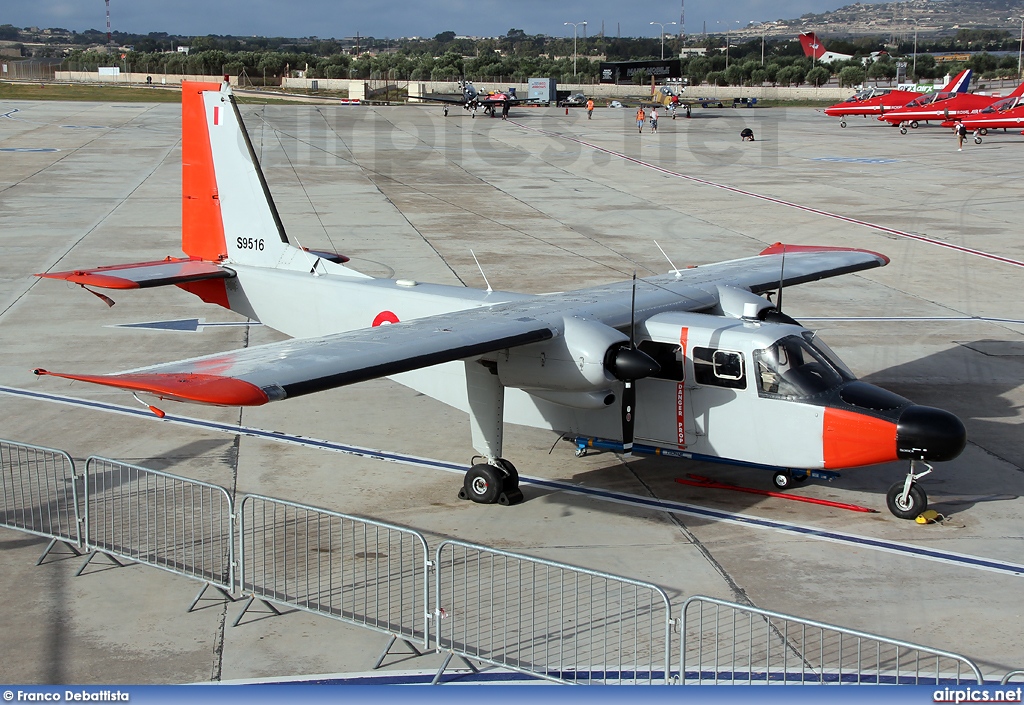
x: 850, y: 439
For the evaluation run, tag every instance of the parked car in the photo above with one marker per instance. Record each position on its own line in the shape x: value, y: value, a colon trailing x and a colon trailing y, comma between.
x: 574, y: 101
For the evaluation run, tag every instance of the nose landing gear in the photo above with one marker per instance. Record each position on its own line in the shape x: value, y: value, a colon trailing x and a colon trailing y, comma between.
x: 906, y: 499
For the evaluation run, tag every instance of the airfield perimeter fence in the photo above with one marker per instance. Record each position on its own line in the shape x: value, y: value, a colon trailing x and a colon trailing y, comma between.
x: 556, y: 621
x: 356, y: 570
x: 166, y: 521
x: 728, y: 643
x: 552, y: 620
x: 39, y: 493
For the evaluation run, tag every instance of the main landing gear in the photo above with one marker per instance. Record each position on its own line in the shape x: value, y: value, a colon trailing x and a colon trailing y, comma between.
x: 906, y: 499
x: 496, y: 483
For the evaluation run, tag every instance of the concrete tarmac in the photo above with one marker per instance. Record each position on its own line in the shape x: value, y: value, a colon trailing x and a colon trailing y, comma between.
x: 547, y: 201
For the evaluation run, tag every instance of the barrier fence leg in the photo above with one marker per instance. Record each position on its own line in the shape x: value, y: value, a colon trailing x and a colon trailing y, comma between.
x: 387, y: 650
x: 49, y: 547
x: 202, y: 592
x: 248, y: 604
x: 89, y: 557
x: 440, y: 671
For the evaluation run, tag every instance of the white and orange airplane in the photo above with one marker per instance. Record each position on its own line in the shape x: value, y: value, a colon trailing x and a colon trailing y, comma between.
x: 694, y: 362
x: 815, y: 49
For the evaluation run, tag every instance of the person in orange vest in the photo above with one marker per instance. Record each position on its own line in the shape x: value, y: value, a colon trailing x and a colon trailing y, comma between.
x: 640, y: 117
x: 590, y: 108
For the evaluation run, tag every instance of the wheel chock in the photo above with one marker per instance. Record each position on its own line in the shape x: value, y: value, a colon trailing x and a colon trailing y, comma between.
x: 929, y: 516
x: 507, y: 499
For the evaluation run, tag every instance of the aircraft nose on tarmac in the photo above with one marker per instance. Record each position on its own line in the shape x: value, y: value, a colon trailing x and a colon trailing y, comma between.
x: 925, y: 433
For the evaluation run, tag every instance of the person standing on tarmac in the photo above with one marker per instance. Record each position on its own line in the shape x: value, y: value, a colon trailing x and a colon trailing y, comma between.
x: 961, y: 133
x: 654, y: 120
x: 590, y: 108
x: 640, y: 117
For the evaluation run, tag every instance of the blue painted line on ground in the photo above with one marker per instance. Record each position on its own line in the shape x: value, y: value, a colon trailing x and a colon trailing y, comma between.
x: 839, y: 537
x: 29, y: 149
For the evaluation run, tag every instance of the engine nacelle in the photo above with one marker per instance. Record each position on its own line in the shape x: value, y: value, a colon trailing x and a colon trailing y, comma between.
x: 572, y: 362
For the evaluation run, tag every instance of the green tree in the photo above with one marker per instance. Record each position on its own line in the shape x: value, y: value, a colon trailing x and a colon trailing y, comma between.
x: 819, y: 76
x: 852, y: 76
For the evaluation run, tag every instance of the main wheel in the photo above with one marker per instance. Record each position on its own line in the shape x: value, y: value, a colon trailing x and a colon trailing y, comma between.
x: 483, y: 484
x: 983, y: 131
x: 915, y: 503
x: 782, y: 479
x: 913, y: 124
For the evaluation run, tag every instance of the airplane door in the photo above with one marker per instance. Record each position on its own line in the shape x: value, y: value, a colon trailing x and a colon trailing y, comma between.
x: 664, y: 413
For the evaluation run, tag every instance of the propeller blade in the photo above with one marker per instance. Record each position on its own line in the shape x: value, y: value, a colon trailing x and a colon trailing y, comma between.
x: 632, y: 315
x: 628, y: 416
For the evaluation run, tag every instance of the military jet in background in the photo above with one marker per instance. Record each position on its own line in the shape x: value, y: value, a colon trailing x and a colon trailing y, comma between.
x: 876, y: 101
x: 473, y: 100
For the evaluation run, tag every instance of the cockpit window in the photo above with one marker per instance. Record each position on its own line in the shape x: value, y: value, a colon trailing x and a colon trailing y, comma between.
x: 798, y: 367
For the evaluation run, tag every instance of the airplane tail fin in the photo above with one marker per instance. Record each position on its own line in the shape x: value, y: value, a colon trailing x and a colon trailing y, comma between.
x: 1017, y: 92
x: 227, y: 210
x: 812, y: 45
x: 960, y: 83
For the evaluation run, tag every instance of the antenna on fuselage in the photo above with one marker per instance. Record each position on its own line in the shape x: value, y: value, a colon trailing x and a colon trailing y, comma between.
x: 782, y: 276
x: 489, y: 289
x: 675, y: 269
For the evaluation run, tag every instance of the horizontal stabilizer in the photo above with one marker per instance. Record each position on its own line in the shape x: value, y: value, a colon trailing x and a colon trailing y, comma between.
x: 142, y: 275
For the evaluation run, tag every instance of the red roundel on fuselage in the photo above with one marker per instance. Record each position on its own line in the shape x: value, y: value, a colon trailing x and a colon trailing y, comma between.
x: 384, y: 318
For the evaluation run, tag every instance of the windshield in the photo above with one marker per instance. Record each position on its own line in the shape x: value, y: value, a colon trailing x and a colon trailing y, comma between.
x: 798, y: 367
x: 1004, y: 104
x: 929, y: 99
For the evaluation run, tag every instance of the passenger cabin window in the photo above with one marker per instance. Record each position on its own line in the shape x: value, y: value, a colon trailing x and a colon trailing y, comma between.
x: 719, y: 368
x: 669, y: 356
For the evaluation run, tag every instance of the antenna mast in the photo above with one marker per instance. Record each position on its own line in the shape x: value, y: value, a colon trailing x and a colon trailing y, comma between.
x: 682, y: 19
x: 107, y: 2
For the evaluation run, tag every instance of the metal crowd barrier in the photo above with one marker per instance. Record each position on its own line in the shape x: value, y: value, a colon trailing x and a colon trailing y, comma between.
x: 181, y: 525
x: 356, y: 570
x: 724, y: 642
x: 39, y: 494
x: 556, y: 621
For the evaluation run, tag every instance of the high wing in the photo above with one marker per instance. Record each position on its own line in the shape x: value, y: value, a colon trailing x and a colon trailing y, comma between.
x: 254, y: 376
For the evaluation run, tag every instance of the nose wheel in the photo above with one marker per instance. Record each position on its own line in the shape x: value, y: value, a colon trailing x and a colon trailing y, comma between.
x: 906, y: 499
x: 496, y: 483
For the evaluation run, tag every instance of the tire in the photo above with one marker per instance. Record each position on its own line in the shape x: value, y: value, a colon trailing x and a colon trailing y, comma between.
x: 903, y: 130
x: 842, y: 124
x: 483, y: 484
x: 977, y: 139
x: 782, y: 480
x: 799, y: 478
x: 983, y: 131
x: 913, y: 124
x: 917, y: 501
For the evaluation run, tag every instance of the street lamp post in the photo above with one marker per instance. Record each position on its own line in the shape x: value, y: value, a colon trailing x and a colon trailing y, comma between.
x: 1020, y: 50
x: 913, y: 69
x: 663, y: 25
x: 574, y: 26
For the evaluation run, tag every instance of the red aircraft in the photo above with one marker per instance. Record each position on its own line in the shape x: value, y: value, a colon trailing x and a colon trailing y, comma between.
x: 871, y: 102
x: 936, y: 107
x: 1008, y: 113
